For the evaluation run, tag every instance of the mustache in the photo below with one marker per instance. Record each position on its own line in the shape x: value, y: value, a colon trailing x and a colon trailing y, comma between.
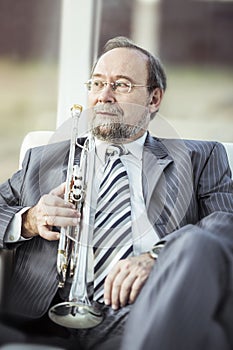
x: 109, y: 109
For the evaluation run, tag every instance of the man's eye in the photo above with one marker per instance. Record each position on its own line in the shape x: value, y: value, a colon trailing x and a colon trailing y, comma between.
x: 97, y: 83
x: 121, y: 84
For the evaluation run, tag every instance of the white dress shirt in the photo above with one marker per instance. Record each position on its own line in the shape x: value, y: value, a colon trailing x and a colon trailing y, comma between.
x: 13, y: 233
x: 144, y: 235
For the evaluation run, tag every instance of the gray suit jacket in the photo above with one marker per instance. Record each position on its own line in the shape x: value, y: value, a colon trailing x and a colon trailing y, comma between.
x: 184, y: 183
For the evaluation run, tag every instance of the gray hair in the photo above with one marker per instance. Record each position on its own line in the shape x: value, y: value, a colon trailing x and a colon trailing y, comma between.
x: 156, y: 73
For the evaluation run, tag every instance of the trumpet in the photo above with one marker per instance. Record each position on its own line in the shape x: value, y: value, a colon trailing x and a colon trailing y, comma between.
x: 75, y: 256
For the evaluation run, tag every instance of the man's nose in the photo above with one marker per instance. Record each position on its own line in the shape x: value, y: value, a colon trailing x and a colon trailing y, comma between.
x: 106, y: 94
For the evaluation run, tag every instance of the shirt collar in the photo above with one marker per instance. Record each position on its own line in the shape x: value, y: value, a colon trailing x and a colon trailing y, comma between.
x: 135, y: 148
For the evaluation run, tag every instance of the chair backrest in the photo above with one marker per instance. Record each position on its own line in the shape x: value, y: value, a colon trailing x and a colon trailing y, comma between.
x: 33, y: 139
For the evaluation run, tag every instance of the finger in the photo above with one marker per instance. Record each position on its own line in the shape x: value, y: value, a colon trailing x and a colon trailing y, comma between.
x: 47, y: 222
x: 108, y: 283
x: 136, y: 288
x: 126, y: 289
x: 59, y: 190
x: 60, y: 221
x: 120, y: 291
x: 51, y: 213
x: 46, y: 233
x: 54, y: 201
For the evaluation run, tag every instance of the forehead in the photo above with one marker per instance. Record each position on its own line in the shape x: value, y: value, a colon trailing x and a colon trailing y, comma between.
x: 122, y: 62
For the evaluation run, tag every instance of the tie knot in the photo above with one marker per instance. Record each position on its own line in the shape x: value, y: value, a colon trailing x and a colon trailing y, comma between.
x: 115, y: 151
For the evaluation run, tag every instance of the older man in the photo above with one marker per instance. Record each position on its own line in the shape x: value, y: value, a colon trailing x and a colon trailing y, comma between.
x: 159, y: 188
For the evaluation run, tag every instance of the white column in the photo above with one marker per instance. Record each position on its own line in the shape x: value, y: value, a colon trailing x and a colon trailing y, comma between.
x: 146, y: 24
x: 78, y: 46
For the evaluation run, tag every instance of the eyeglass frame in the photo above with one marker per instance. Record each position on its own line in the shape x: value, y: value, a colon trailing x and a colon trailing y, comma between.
x: 113, y: 85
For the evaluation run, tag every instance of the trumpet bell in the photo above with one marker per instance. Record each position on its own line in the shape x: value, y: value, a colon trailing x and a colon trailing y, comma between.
x: 75, y: 315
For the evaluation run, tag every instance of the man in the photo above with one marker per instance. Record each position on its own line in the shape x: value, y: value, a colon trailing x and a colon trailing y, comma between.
x: 172, y: 184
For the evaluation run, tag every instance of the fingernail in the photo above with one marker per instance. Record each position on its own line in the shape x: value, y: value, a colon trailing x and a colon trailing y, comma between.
x: 106, y: 301
x: 114, y: 307
x: 76, y: 221
x: 70, y: 205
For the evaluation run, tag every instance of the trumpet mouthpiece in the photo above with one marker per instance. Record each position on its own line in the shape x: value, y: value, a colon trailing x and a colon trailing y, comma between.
x: 77, y: 107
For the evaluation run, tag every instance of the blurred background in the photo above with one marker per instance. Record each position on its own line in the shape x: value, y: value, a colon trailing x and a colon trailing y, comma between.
x: 47, y: 47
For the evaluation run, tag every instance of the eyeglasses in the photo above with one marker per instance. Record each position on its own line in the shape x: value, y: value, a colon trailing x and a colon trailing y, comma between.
x: 119, y: 86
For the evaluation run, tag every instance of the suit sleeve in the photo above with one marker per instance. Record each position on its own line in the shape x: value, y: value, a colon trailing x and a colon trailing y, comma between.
x: 10, y: 203
x: 215, y: 186
x: 214, y: 192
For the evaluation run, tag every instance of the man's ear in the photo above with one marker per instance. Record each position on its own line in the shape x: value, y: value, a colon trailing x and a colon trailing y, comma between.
x: 155, y: 100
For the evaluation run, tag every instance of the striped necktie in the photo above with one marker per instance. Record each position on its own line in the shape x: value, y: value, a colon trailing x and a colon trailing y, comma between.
x: 112, y: 230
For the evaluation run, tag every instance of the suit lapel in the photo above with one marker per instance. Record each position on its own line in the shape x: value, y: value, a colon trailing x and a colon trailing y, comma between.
x: 155, y: 161
x: 167, y: 183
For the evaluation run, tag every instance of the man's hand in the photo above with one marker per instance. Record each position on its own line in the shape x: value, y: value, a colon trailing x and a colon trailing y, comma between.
x: 51, y: 210
x: 124, y: 282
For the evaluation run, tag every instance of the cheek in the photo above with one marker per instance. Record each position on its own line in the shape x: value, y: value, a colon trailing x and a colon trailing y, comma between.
x: 133, y: 99
x: 140, y: 94
x: 91, y: 100
x: 139, y: 98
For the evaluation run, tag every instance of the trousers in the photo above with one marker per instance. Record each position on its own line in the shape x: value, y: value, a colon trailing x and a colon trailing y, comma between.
x: 187, y: 302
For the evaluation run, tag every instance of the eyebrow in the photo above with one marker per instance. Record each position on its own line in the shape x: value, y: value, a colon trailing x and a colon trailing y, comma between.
x: 119, y: 76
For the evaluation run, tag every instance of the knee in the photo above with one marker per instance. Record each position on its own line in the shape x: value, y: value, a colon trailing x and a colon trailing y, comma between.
x: 198, y: 246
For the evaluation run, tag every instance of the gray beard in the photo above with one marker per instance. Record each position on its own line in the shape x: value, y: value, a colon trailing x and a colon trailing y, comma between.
x: 115, y: 132
x: 114, y: 129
